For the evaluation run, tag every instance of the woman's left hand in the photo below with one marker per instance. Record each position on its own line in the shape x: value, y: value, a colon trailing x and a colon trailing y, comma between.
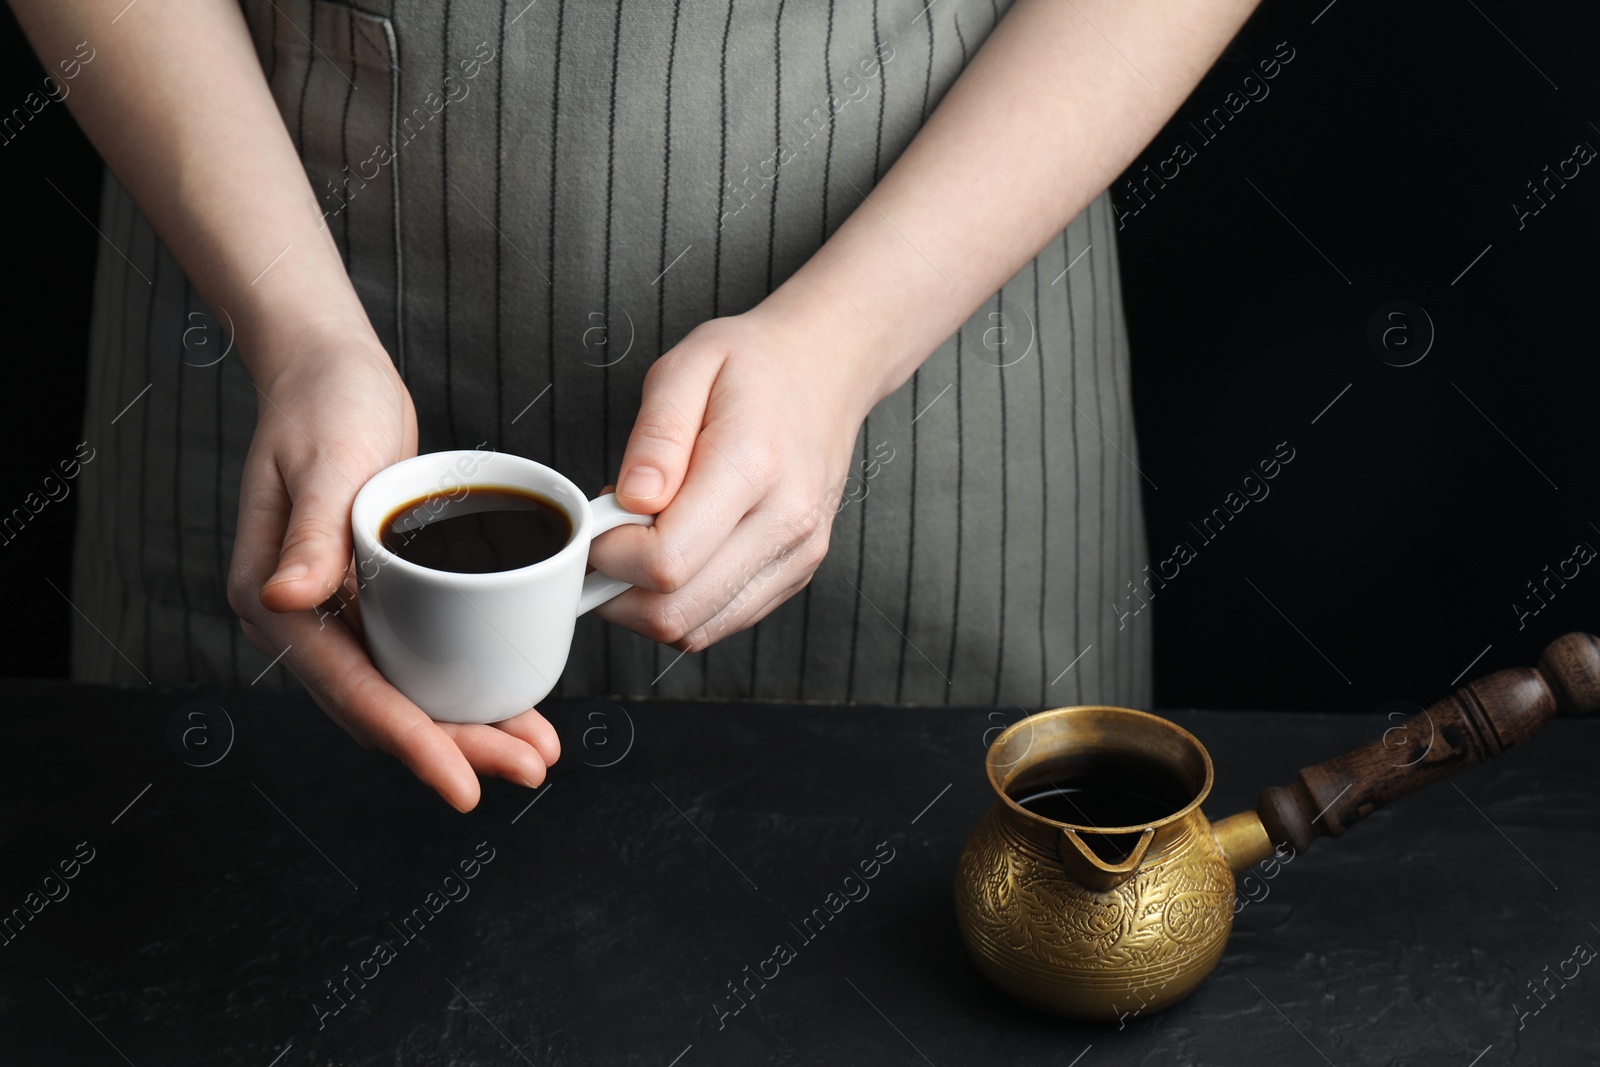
x: 744, y: 438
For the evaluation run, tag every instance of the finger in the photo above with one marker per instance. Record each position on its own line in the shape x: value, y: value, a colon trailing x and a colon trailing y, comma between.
x: 742, y: 616
x: 761, y: 597
x: 755, y: 602
x: 340, y: 677
x: 536, y: 730
x: 344, y: 604
x: 498, y: 752
x: 760, y: 558
x: 263, y: 516
x: 714, y: 499
x: 671, y: 410
x: 316, y: 548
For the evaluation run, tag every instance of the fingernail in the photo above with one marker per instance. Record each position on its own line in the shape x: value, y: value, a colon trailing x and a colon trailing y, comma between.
x: 292, y: 573
x: 643, y: 483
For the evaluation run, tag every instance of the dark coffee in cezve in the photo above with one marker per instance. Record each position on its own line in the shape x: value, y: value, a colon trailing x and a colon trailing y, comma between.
x: 1104, y: 797
x: 1084, y: 804
x: 486, y: 529
x: 1105, y: 791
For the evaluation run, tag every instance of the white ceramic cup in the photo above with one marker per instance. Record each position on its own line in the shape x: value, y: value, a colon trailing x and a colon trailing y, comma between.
x: 476, y: 647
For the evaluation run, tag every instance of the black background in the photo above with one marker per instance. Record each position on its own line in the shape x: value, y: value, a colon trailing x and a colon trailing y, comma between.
x: 1389, y: 553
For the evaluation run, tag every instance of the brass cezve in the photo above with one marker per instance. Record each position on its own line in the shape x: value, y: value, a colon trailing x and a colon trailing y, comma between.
x: 1058, y: 926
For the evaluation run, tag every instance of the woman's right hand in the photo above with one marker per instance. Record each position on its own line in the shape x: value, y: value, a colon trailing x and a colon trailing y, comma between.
x: 335, y: 415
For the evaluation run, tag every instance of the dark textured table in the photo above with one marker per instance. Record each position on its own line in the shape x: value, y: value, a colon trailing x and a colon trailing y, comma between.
x: 226, y: 914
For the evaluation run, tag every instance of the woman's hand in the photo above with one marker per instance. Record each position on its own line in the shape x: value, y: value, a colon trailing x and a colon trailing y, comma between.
x: 334, y: 417
x: 745, y: 434
x: 746, y: 428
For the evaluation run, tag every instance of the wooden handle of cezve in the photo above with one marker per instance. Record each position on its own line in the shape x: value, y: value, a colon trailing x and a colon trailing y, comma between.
x: 1477, y: 722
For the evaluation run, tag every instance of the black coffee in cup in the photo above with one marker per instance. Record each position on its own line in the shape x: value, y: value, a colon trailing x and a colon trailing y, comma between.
x: 477, y: 530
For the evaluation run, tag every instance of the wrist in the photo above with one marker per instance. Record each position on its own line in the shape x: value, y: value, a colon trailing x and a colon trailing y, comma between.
x: 288, y: 305
x: 291, y: 341
x: 855, y: 353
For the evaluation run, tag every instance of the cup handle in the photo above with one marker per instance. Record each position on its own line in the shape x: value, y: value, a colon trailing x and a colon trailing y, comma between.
x: 608, y: 515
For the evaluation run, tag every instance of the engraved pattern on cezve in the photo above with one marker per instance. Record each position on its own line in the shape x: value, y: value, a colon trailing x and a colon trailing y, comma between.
x: 1172, y: 911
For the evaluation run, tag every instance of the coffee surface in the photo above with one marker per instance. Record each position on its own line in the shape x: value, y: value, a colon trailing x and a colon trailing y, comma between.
x: 1111, y: 790
x: 1096, y: 804
x: 490, y: 528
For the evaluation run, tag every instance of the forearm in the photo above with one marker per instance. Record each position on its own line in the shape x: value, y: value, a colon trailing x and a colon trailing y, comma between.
x: 176, y: 102
x: 1058, y: 101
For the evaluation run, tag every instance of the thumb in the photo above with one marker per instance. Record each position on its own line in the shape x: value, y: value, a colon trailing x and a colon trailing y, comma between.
x: 671, y: 411
x: 316, y: 546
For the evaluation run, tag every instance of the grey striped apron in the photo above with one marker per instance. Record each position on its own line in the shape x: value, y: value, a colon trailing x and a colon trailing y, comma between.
x: 536, y: 200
